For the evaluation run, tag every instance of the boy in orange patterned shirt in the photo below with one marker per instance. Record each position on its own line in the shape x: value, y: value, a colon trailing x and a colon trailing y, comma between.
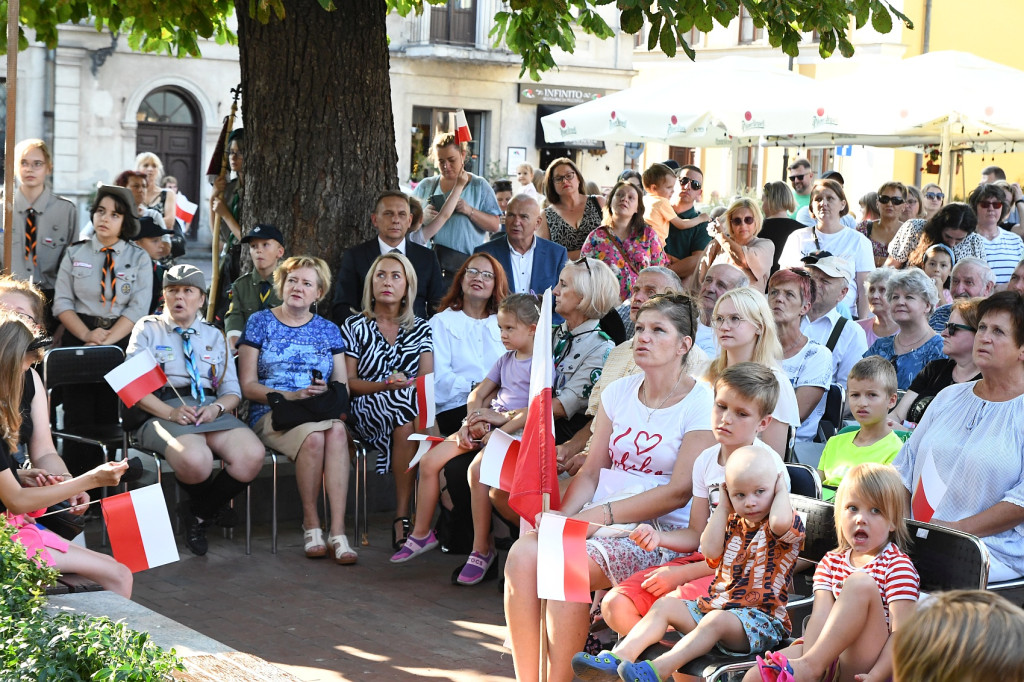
x: 753, y: 540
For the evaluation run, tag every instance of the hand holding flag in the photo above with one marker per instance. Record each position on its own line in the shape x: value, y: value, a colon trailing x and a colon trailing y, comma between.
x: 562, y: 562
x: 425, y: 444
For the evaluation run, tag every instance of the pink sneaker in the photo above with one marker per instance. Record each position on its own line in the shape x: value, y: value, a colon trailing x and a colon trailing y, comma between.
x: 414, y: 547
x: 476, y: 567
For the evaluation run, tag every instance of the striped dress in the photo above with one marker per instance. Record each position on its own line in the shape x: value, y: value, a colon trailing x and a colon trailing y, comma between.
x: 378, y: 414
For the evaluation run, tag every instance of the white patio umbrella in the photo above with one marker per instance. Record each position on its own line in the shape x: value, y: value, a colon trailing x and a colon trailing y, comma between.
x: 711, y: 103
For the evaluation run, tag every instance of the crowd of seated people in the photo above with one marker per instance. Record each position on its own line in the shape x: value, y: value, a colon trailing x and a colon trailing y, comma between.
x: 682, y: 347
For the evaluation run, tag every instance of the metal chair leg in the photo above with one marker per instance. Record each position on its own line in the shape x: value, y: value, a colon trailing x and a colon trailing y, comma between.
x: 273, y: 505
x: 364, y: 530
x: 248, y: 519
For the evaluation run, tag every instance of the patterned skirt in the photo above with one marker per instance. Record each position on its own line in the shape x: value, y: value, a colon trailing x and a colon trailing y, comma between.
x: 375, y: 417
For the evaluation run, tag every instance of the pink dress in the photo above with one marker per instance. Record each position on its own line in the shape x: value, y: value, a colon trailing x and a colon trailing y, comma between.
x: 35, y: 538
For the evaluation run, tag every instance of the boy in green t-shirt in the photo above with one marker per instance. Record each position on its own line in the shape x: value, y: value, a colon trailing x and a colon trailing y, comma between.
x: 871, y: 393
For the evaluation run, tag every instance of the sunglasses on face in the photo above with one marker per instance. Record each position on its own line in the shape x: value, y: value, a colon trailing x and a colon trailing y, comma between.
x: 935, y: 196
x: 990, y: 204
x: 794, y: 178
x: 695, y: 184
x: 895, y: 201
x: 952, y: 327
x: 736, y: 221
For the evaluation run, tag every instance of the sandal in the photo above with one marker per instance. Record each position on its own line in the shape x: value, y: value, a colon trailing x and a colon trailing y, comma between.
x: 314, y: 543
x: 398, y: 540
x: 774, y: 667
x: 343, y: 552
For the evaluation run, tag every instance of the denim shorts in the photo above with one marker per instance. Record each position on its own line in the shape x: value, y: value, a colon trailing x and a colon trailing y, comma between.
x: 763, y: 632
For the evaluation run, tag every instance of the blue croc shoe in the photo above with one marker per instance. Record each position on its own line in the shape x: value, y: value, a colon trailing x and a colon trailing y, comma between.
x: 603, y: 666
x: 641, y: 671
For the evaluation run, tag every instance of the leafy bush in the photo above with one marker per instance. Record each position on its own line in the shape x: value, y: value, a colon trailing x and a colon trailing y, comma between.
x: 35, y: 645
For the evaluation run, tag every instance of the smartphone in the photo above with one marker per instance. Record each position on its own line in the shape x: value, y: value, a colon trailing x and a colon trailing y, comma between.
x: 437, y: 201
x: 317, y: 375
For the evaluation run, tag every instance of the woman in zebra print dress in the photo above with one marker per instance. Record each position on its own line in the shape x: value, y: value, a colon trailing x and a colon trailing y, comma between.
x: 387, y: 347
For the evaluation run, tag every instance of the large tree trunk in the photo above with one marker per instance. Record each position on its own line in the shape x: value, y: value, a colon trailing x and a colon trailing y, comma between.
x: 319, y: 133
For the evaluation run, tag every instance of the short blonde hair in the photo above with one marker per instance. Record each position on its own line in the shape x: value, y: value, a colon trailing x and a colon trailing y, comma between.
x: 750, y: 205
x: 881, y: 487
x: 317, y: 265
x: 777, y: 196
x: 406, y: 313
x: 961, y: 636
x: 596, y: 285
x: 150, y: 156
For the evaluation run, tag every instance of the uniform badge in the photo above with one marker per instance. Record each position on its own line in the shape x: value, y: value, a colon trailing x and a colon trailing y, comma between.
x: 126, y: 288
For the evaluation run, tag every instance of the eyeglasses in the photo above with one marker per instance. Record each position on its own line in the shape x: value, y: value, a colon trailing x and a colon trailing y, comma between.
x: 736, y: 221
x: 582, y: 260
x: 562, y: 179
x: 731, y: 320
x: 895, y: 201
x: 990, y: 204
x: 36, y: 165
x: 485, y: 275
x: 952, y: 327
x: 934, y: 196
x: 695, y: 184
x: 794, y: 178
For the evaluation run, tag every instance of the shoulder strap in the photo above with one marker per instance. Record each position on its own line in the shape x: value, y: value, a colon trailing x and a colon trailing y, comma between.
x: 837, y: 331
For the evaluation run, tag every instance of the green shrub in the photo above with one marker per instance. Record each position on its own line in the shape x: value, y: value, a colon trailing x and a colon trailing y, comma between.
x: 35, y: 645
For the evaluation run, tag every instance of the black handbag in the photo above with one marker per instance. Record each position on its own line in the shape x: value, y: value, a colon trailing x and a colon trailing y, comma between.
x: 331, y: 404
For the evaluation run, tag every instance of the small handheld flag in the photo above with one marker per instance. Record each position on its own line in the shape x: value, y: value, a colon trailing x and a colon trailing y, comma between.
x: 136, y: 377
x: 498, y: 460
x: 139, y: 528
x: 425, y: 443
x: 425, y: 402
x: 461, y: 127
x: 562, y: 572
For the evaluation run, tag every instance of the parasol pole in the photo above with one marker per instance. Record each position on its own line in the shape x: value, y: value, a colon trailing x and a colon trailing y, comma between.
x: 13, y: 11
x: 229, y: 124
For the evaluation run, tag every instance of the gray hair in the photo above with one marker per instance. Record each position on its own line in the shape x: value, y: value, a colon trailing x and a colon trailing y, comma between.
x: 879, y: 274
x: 914, y: 281
x: 674, y: 283
x: 979, y: 264
x: 596, y: 285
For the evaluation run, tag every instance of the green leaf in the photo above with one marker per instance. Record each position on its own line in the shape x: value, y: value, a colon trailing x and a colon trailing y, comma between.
x: 652, y: 37
x: 632, y: 20
x: 668, y: 41
x: 881, y: 21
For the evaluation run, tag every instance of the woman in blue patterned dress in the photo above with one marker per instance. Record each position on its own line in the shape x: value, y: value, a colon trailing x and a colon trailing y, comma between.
x: 387, y: 347
x: 294, y: 352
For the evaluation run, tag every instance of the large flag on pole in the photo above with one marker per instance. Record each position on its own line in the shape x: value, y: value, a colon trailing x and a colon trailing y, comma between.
x: 136, y: 377
x: 562, y: 565
x: 139, y: 528
x: 536, y: 472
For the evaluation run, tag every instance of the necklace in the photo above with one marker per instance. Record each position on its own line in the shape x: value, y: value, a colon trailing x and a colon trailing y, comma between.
x: 911, y: 345
x: 651, y: 410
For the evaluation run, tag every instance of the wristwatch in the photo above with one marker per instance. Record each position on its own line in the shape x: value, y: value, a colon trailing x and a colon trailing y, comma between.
x: 220, y: 408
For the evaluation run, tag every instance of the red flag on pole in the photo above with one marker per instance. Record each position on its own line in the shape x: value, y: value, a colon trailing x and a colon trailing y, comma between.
x: 461, y: 127
x: 536, y: 472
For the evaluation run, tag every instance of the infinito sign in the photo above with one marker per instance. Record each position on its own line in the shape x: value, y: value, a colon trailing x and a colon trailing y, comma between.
x: 535, y: 93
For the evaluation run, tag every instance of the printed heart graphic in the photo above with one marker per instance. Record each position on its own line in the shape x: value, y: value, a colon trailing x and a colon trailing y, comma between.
x: 649, y: 442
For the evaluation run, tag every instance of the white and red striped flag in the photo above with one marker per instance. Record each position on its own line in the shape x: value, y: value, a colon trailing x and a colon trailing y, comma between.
x: 562, y: 563
x: 136, y: 377
x: 139, y: 528
x: 461, y: 127
x: 425, y: 401
x: 536, y: 471
x: 498, y: 460
x: 184, y: 209
x: 929, y: 491
x: 425, y: 443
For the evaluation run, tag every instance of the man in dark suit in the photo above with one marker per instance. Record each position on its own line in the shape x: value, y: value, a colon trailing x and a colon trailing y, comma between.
x: 392, y: 218
x: 531, y: 263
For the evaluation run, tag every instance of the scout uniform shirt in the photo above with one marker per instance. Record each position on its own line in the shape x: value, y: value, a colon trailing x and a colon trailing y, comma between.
x: 56, y: 222
x: 216, y: 371
x: 80, y: 285
x: 247, y: 299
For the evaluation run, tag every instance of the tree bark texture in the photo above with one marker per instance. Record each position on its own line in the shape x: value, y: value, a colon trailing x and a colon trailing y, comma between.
x: 319, y: 131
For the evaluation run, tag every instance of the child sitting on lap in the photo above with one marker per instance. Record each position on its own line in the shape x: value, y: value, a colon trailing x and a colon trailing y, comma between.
x: 752, y: 540
x: 871, y: 393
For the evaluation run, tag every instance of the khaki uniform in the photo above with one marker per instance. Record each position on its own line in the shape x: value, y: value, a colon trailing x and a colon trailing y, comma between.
x: 80, y: 281
x: 216, y: 369
x: 56, y: 229
x: 245, y: 300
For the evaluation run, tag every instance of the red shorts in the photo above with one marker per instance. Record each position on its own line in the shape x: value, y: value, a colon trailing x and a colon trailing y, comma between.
x: 643, y: 600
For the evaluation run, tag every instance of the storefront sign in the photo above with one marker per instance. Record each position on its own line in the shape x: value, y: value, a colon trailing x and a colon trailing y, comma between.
x: 535, y: 93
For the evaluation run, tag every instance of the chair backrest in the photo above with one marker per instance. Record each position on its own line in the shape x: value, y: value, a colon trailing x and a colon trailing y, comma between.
x: 819, y: 526
x: 832, y: 417
x: 79, y: 364
x: 804, y: 480
x: 948, y: 559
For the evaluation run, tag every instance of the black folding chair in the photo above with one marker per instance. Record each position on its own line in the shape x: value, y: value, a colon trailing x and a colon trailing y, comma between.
x: 804, y: 480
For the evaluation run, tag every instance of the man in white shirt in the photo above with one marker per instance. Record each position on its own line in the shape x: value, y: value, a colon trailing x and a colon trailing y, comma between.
x: 846, y: 339
x: 718, y: 279
x: 531, y: 263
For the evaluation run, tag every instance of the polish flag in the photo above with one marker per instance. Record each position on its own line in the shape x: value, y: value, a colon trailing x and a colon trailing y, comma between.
x: 425, y: 401
x: 929, y: 491
x: 136, y: 377
x: 536, y: 474
x: 461, y: 127
x: 426, y: 442
x: 139, y: 528
x: 498, y: 460
x: 184, y: 209
x: 562, y: 572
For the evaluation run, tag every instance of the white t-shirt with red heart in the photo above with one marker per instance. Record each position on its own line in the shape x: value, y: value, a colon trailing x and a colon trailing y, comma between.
x: 646, y: 443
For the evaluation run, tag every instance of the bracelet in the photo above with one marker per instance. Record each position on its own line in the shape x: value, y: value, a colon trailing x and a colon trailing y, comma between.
x: 605, y: 511
x: 611, y: 517
x: 219, y: 407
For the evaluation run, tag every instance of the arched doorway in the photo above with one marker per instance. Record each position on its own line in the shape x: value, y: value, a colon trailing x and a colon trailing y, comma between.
x: 169, y: 126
